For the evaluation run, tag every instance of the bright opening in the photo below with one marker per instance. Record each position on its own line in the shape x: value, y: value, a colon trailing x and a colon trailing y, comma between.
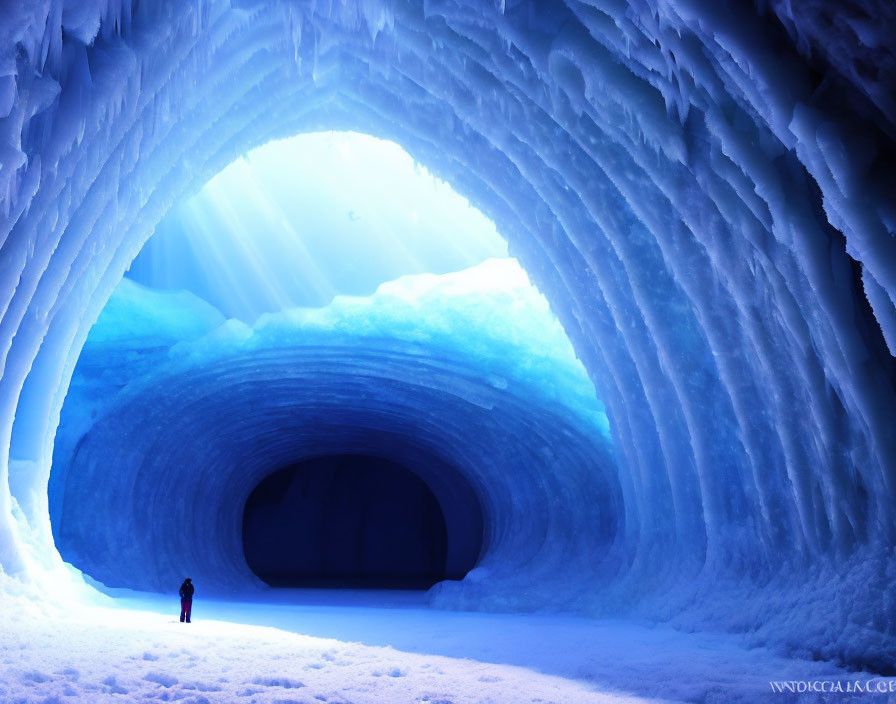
x: 298, y: 221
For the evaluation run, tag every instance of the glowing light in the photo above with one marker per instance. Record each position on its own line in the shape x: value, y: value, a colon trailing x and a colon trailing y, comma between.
x: 298, y: 221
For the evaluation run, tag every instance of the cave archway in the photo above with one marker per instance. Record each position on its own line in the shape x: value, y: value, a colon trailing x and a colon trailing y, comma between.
x: 640, y: 223
x: 186, y: 447
x: 355, y: 521
x: 671, y: 175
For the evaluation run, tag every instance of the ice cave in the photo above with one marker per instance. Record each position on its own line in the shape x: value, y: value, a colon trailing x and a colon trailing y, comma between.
x: 458, y: 351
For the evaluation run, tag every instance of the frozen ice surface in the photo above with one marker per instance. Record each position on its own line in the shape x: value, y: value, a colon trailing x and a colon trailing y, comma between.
x: 111, y: 655
x: 378, y: 647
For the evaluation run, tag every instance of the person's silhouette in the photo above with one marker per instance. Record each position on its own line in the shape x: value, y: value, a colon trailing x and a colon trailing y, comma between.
x: 186, y: 599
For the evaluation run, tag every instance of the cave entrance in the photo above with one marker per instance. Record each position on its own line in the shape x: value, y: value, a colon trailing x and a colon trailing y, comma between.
x: 350, y: 522
x: 302, y: 220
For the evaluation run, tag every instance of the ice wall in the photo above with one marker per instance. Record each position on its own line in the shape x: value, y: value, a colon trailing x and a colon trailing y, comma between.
x: 702, y: 188
x: 466, y: 379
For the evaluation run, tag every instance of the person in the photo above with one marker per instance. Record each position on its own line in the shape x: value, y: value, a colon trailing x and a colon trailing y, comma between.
x: 186, y: 599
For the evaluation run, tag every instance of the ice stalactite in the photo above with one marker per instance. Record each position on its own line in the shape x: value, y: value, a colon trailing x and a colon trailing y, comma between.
x: 702, y: 189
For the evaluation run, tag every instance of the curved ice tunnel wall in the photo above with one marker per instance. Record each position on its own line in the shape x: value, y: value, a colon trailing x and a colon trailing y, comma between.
x: 186, y: 448
x: 174, y: 416
x: 687, y: 186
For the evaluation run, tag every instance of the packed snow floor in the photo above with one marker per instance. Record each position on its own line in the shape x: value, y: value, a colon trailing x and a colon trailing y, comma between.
x: 386, y: 648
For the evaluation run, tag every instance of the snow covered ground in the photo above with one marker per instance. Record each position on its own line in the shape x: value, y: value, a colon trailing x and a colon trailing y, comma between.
x: 374, y: 647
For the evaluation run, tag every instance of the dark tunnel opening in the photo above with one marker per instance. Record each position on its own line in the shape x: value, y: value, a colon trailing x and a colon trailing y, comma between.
x: 354, y: 522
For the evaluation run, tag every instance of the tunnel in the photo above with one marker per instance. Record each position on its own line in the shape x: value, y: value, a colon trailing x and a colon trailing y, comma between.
x: 703, y: 192
x: 188, y: 429
x: 363, y: 522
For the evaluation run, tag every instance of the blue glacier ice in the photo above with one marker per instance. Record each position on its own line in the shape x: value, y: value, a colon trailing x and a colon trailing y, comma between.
x: 466, y: 378
x: 702, y: 189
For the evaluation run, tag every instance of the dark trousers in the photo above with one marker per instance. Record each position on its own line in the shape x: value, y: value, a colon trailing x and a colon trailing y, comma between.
x: 186, y: 606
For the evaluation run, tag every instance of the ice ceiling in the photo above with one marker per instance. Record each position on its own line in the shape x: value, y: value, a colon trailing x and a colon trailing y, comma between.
x: 703, y: 191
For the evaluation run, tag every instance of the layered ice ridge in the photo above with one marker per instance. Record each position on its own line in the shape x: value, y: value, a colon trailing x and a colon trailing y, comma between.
x: 168, y: 428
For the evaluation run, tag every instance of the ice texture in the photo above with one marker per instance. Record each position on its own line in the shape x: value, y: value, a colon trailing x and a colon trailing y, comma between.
x: 466, y: 379
x: 372, y: 648
x: 702, y: 189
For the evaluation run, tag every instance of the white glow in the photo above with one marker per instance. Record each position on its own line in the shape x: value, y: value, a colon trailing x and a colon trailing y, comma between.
x: 298, y: 221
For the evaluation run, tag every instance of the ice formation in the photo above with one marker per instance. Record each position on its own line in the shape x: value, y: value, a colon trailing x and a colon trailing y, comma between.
x: 702, y: 189
x: 464, y: 378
